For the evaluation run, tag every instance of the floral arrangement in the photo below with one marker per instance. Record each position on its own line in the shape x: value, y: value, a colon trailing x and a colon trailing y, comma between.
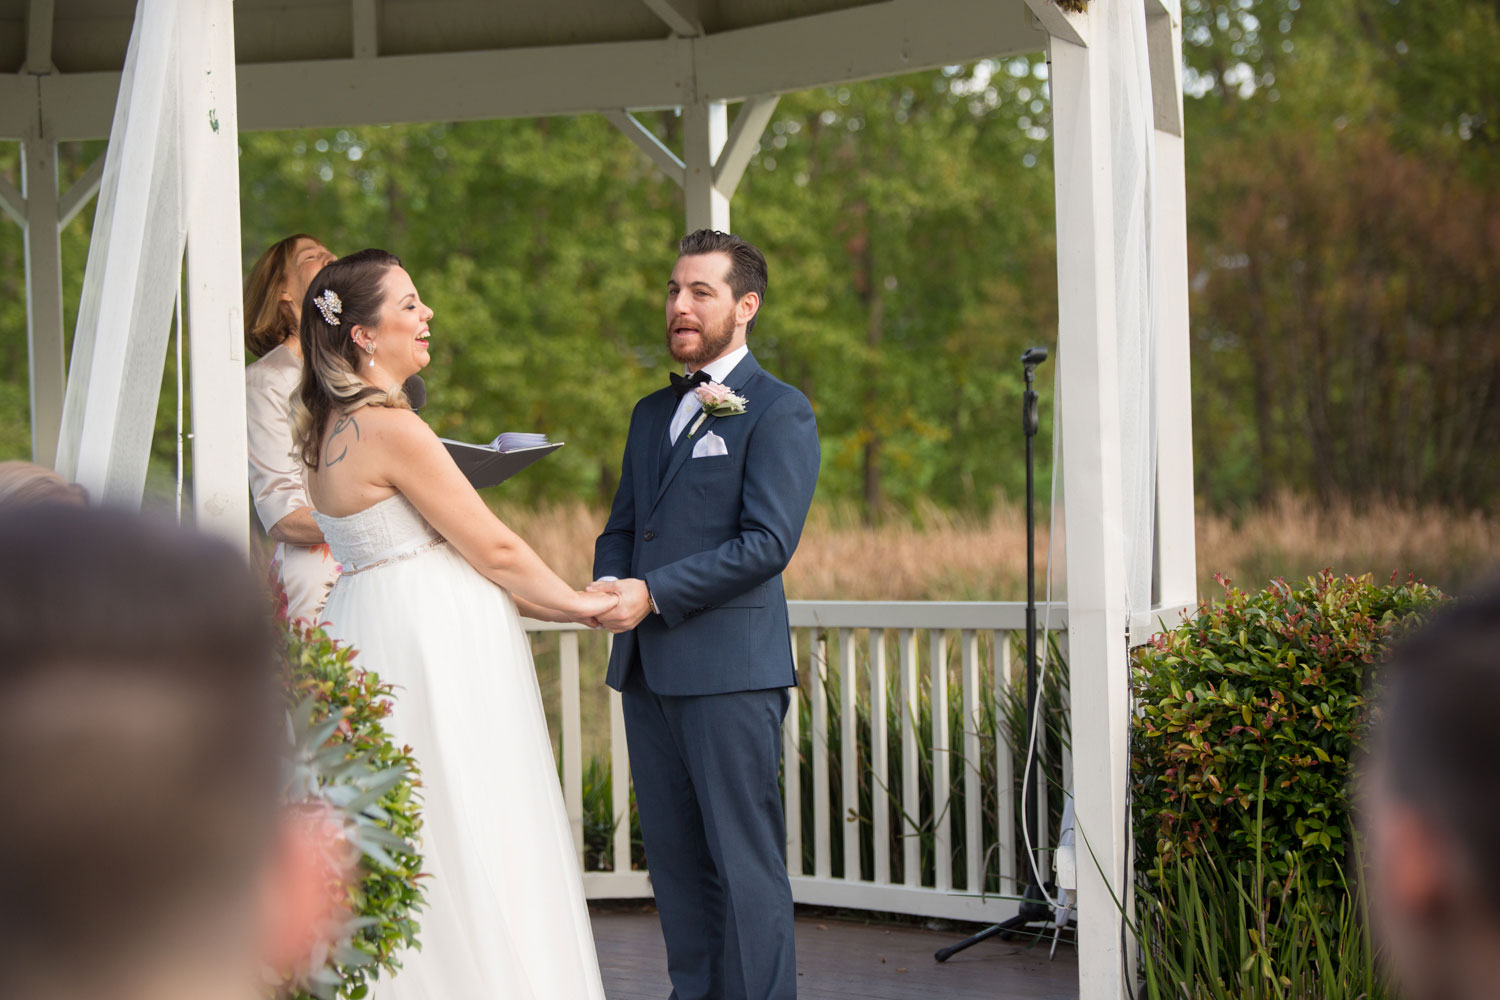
x: 357, y: 794
x: 717, y: 401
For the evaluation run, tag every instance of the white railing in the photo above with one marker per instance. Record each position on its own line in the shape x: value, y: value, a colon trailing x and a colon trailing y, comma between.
x: 845, y: 652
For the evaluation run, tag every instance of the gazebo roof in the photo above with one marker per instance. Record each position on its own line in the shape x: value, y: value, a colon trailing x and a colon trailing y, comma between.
x: 307, y: 63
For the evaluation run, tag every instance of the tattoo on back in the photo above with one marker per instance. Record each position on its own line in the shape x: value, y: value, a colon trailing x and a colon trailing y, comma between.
x: 339, y: 426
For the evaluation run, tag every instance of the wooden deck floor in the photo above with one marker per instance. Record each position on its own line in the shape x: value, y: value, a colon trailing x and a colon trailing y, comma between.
x: 838, y: 960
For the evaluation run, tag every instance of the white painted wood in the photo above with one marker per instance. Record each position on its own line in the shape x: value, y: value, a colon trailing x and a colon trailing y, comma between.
x: 131, y: 280
x: 1006, y: 820
x: 862, y: 42
x: 617, y: 885
x: 911, y: 804
x: 44, y: 302
x: 12, y: 203
x: 704, y: 131
x: 572, y: 738
x: 1058, y: 23
x: 1093, y: 506
x: 1164, y: 40
x: 680, y: 15
x: 216, y: 331
x: 880, y: 769
x: 1176, y: 546
x: 953, y: 615
x: 39, y: 14
x: 791, y: 765
x: 744, y: 138
x: 79, y: 195
x: 973, y: 803
x: 859, y: 43
x: 942, y: 759
x: 918, y: 901
x: 849, y: 752
x: 822, y: 844
x: 619, y: 775
x: 366, y: 28
x: 656, y: 150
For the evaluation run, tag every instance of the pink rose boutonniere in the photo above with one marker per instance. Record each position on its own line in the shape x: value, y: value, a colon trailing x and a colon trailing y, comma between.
x: 717, y: 401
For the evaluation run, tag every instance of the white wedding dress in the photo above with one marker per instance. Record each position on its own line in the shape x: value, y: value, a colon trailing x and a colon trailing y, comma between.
x: 505, y: 916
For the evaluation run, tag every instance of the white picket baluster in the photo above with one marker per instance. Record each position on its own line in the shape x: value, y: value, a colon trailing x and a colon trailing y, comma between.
x: 973, y: 830
x: 880, y: 765
x: 822, y: 852
x: 572, y: 739
x: 791, y: 764
x: 849, y: 752
x: 942, y: 841
x: 1004, y: 766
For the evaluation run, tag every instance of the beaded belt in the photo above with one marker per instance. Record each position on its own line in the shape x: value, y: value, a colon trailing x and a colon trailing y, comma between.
x: 398, y: 557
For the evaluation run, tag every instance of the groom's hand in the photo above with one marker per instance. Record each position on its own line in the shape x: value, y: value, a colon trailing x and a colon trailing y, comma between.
x: 635, y: 604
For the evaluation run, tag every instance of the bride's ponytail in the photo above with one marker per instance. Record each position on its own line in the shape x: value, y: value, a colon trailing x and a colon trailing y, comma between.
x: 345, y: 294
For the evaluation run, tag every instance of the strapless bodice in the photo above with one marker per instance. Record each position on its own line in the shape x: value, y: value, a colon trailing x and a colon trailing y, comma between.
x: 390, y: 529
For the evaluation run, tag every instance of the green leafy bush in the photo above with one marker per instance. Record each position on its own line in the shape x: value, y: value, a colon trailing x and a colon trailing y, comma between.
x: 1266, y: 690
x: 345, y: 758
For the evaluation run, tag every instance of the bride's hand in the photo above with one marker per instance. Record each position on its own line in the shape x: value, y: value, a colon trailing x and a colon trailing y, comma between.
x: 592, y: 604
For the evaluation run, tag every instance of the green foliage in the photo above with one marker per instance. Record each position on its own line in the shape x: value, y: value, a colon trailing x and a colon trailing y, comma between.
x: 1221, y: 927
x: 350, y: 761
x: 1261, y: 700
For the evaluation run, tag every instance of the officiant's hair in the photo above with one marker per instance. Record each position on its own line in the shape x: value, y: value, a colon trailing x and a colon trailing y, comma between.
x: 330, y: 382
x: 268, y: 317
x: 1436, y: 738
x: 138, y: 729
x: 747, y: 265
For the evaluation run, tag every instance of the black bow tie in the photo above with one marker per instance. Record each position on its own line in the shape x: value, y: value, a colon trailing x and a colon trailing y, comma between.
x: 684, y: 384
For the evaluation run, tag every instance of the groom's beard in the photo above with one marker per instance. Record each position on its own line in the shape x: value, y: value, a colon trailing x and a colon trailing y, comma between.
x: 711, y: 343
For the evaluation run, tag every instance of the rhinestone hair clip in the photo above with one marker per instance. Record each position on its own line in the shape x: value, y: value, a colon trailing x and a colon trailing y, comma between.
x: 330, y: 306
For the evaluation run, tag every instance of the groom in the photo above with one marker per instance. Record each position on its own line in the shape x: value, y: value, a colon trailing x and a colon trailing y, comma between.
x: 707, y: 515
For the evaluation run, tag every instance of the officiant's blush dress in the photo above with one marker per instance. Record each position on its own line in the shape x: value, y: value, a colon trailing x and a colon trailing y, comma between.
x: 505, y: 916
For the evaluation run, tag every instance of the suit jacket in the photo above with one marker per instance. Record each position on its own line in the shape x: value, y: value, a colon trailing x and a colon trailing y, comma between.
x: 711, y: 536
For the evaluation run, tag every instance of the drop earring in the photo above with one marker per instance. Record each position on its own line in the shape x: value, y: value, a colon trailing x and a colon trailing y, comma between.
x: 371, y: 348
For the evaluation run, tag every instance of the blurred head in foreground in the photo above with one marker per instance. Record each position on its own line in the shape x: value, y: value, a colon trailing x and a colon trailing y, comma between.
x: 1432, y: 805
x: 25, y: 483
x: 138, y: 739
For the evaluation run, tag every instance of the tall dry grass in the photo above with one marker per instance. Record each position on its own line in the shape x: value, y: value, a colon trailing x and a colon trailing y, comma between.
x: 939, y: 555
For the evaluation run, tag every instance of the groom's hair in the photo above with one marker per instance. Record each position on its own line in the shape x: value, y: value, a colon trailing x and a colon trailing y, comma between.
x: 138, y: 722
x: 747, y: 266
x: 1436, y: 734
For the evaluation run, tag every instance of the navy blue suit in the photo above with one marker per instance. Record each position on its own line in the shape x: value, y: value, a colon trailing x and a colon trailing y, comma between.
x: 704, y: 682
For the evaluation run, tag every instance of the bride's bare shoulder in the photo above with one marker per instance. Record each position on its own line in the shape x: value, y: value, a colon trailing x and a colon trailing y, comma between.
x: 400, y: 428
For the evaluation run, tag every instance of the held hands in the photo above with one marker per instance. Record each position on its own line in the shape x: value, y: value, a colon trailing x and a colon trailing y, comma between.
x: 591, y: 604
x: 634, y: 604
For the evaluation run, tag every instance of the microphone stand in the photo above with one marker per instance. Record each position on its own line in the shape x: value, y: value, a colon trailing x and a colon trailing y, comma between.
x: 1035, y: 906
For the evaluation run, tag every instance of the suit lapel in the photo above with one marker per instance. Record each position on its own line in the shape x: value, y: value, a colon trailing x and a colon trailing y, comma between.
x: 742, y: 374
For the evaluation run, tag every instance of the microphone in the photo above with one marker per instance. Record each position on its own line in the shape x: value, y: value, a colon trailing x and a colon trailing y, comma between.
x: 416, y: 392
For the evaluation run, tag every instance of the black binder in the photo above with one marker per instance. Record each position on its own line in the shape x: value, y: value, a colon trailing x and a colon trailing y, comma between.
x: 484, y: 466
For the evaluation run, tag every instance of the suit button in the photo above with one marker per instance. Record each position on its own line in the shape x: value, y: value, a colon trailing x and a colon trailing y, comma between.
x: 650, y: 535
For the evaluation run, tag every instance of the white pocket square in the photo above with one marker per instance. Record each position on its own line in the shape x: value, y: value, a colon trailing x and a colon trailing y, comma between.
x: 710, y: 445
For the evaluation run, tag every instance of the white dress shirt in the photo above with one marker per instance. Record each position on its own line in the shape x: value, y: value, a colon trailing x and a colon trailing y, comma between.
x: 717, y: 370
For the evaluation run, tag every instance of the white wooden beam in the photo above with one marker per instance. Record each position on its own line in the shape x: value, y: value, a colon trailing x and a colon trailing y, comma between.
x: 131, y: 281
x: 366, y: 29
x: 679, y: 15
x: 897, y: 36
x: 665, y: 160
x: 705, y: 129
x: 39, y: 14
x: 1164, y: 37
x: 11, y: 202
x: 211, y: 199
x: 1176, y: 545
x: 44, y: 297
x: 1058, y: 23
x: 744, y: 136
x: 79, y: 194
x: 859, y: 43
x: 1093, y: 505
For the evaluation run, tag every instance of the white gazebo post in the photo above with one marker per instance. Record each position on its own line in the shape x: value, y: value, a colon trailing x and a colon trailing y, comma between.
x: 1176, y: 548
x: 170, y: 177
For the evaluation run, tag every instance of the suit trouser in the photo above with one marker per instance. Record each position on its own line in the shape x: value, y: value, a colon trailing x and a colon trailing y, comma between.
x: 705, y: 770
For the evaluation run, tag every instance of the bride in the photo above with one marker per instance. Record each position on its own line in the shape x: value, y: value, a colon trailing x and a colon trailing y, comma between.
x: 431, y: 586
